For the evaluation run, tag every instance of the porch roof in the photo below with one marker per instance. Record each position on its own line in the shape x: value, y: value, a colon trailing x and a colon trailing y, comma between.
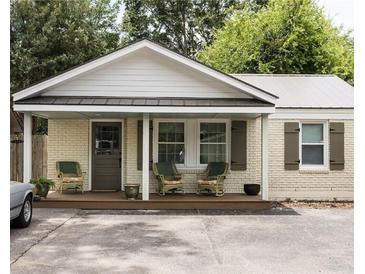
x: 138, y: 101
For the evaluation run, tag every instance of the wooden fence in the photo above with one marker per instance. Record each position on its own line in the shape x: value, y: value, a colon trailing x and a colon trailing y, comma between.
x: 39, y: 157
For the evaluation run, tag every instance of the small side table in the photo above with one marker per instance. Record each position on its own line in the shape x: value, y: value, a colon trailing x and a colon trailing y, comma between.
x: 131, y: 191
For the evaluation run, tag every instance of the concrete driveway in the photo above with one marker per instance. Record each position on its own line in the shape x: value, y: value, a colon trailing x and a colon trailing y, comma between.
x: 268, y: 241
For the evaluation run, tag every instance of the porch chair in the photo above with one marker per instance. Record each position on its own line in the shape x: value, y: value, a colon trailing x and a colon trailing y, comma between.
x: 169, y: 179
x: 70, y: 175
x: 213, y: 178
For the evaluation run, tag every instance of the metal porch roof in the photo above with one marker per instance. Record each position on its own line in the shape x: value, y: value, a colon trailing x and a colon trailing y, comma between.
x: 113, y: 101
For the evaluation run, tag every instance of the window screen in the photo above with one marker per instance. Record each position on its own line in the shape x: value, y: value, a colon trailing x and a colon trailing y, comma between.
x: 312, y: 144
x: 171, y: 142
x: 212, y: 142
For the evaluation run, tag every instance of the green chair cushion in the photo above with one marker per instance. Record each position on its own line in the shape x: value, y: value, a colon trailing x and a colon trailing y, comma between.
x: 69, y: 168
x: 215, y: 169
x: 166, y: 169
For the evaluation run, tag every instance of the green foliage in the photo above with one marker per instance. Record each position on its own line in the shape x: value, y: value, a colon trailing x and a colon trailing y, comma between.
x: 287, y: 36
x: 50, y: 36
x: 41, y: 127
x: 42, y: 181
x: 183, y: 25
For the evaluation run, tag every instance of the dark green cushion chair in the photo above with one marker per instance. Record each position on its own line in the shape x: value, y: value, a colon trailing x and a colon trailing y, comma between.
x: 212, y: 180
x: 70, y: 175
x: 169, y: 179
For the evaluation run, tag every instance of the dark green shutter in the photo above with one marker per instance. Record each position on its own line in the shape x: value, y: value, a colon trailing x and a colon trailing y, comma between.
x: 291, y: 142
x: 140, y: 144
x: 239, y: 145
x: 337, y: 146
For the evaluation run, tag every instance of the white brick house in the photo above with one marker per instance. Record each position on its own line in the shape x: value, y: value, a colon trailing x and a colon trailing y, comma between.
x: 296, y: 135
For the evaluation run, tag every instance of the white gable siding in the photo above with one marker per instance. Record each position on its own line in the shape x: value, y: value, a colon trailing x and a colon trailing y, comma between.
x: 145, y: 74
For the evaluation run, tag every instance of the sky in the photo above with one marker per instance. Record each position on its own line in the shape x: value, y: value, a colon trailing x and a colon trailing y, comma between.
x: 340, y: 11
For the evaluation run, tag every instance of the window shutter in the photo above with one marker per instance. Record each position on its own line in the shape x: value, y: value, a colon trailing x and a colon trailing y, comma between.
x: 291, y: 142
x: 337, y: 147
x: 140, y: 144
x: 239, y: 145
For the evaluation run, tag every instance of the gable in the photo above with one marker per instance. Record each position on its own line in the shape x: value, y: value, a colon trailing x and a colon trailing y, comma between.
x: 145, y: 74
x: 216, y: 83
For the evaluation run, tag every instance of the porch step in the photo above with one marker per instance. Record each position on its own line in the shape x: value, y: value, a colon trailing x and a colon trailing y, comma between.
x: 117, y: 200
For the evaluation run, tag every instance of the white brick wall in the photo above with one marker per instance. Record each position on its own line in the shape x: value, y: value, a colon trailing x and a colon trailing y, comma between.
x: 298, y: 184
x: 68, y: 140
x: 132, y: 175
x: 235, y: 179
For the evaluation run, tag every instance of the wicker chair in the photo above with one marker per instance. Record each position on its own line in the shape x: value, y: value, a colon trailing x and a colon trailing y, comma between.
x: 70, y: 176
x: 168, y: 177
x: 213, y: 178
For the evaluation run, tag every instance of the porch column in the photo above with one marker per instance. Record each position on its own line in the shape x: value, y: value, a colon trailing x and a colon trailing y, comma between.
x: 27, y: 147
x: 264, y: 156
x: 145, y: 157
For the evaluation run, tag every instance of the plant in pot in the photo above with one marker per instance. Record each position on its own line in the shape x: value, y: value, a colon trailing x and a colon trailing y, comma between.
x: 42, y: 186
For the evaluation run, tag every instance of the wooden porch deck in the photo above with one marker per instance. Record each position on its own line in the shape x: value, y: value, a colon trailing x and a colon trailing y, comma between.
x: 117, y: 200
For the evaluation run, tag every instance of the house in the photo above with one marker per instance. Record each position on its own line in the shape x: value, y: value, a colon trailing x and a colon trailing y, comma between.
x: 144, y: 103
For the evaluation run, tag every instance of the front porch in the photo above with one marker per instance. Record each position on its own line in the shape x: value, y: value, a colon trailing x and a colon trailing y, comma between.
x: 117, y: 200
x: 136, y: 146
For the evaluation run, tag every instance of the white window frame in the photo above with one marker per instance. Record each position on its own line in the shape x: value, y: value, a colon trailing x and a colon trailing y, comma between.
x: 325, y: 165
x: 191, y: 140
x: 228, y: 138
x: 155, y: 142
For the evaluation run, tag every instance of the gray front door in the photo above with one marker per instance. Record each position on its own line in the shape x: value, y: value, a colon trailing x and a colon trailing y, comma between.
x: 106, y: 156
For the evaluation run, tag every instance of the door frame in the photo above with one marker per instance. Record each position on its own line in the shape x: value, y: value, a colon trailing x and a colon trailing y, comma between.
x: 121, y: 121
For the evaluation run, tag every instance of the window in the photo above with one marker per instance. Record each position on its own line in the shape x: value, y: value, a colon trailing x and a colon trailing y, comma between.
x: 213, y: 144
x: 171, y: 142
x: 313, y: 144
x: 191, y: 143
x: 106, y: 140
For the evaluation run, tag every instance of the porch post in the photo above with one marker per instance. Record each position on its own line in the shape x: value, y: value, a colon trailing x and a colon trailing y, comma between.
x: 264, y: 157
x: 27, y: 147
x: 145, y: 157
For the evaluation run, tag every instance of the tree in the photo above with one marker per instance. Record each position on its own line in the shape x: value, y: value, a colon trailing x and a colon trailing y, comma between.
x: 288, y: 36
x: 183, y: 25
x: 48, y: 37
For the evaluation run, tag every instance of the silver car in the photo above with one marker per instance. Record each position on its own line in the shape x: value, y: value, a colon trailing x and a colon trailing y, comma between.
x: 21, y: 200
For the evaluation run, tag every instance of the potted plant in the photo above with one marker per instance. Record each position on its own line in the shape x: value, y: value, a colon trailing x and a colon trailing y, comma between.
x: 42, y: 186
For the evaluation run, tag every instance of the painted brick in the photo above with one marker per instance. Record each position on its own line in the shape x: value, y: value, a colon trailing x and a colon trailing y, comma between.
x: 68, y: 141
x: 235, y: 179
x: 297, y: 184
